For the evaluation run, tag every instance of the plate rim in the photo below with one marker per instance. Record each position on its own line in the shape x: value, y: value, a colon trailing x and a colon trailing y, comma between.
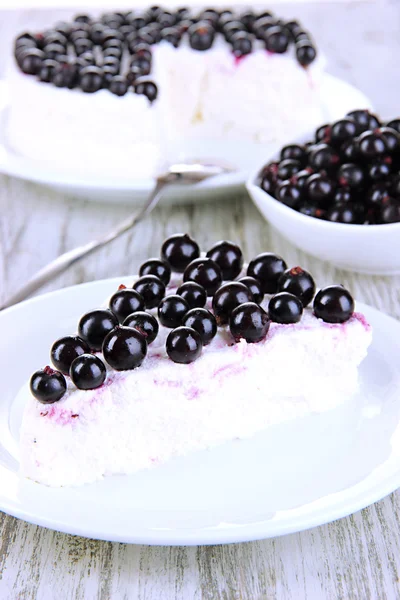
x: 229, y: 532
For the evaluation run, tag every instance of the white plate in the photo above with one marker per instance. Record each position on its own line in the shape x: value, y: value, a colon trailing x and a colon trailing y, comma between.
x: 291, y: 477
x: 337, y: 97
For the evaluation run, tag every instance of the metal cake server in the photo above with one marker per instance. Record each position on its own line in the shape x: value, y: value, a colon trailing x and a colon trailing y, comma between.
x: 177, y: 174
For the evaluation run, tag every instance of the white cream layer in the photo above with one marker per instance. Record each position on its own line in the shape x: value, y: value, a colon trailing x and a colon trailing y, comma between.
x: 203, y: 97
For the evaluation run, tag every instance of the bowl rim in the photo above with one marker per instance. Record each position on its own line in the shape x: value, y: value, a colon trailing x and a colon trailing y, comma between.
x: 251, y: 183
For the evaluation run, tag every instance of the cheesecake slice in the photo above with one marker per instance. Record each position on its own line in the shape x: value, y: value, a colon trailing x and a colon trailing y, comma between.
x: 143, y: 417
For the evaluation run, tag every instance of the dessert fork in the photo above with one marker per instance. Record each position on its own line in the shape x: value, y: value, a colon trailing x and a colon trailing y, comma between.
x: 176, y: 174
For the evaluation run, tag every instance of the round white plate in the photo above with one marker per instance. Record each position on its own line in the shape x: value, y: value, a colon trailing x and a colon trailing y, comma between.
x: 291, y: 477
x: 337, y: 97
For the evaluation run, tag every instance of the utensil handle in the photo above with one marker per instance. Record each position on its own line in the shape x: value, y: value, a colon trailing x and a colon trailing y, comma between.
x: 66, y: 260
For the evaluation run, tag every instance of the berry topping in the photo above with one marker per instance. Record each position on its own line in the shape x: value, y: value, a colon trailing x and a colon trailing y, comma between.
x: 323, y: 157
x: 145, y: 323
x: 94, y: 326
x: 364, y: 120
x: 159, y: 268
x: 65, y: 350
x: 305, y: 52
x: 227, y: 297
x: 341, y: 131
x: 179, y: 250
x: 288, y: 167
x: 171, y: 311
x: 202, y: 321
x: 294, y: 152
x: 289, y: 194
x: 249, y: 322
x: 394, y: 124
x: 91, y: 79
x: 342, y: 213
x: 124, y: 302
x: 184, y: 345
x: 201, y: 36
x: 228, y: 257
x: 390, y: 212
x: 47, y: 385
x: 147, y: 88
x: 277, y: 39
x: 372, y: 144
x: 298, y: 282
x: 255, y: 288
x: 320, y: 189
x: 285, y: 308
x: 118, y: 85
x: 333, y: 304
x: 194, y: 294
x: 88, y: 372
x: 206, y: 272
x: 351, y: 175
x: 151, y: 288
x: 124, y: 348
x: 267, y: 269
x: 31, y: 61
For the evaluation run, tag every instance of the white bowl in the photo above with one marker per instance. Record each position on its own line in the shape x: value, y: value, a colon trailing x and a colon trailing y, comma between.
x: 370, y: 249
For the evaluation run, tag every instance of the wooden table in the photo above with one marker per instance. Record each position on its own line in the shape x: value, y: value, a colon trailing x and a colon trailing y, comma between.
x: 355, y: 558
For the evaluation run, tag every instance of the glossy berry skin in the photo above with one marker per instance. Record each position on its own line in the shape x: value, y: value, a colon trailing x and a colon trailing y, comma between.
x: 249, y: 322
x: 31, y: 61
x: 179, y: 251
x: 255, y: 288
x: 277, y: 40
x: 91, y: 79
x: 380, y: 169
x: 341, y: 131
x: 267, y: 269
x: 342, y: 213
x: 390, y: 212
x: 124, y: 302
x: 228, y: 257
x: 310, y: 210
x: 202, y: 321
x: 159, y: 268
x: 144, y: 323
x: 333, y: 304
x: 227, y: 297
x: 394, y: 124
x: 395, y: 186
x: 48, y: 386
x: 201, y: 36
x: 305, y: 52
x: 151, y: 288
x: 351, y: 175
x: 372, y: 145
x: 242, y: 44
x: 323, y: 157
x: 285, y: 308
x: 184, y: 345
x: 124, y: 348
x: 294, y: 152
x: 377, y: 194
x: 65, y: 350
x: 322, y: 133
x: 342, y: 195
x: 288, y: 167
x: 95, y: 325
x: 289, y: 194
x: 320, y: 189
x: 349, y: 151
x: 171, y: 310
x: 88, y: 372
x: 298, y: 282
x: 364, y: 120
x: 147, y: 88
x: 300, y: 179
x: 206, y: 272
x: 194, y: 294
x: 118, y: 85
x: 392, y: 138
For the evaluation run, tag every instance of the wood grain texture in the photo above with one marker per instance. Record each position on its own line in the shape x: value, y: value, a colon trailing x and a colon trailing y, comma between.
x: 354, y: 558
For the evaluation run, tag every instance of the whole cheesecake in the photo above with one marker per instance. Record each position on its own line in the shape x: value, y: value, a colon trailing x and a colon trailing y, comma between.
x: 128, y: 90
x: 182, y: 363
